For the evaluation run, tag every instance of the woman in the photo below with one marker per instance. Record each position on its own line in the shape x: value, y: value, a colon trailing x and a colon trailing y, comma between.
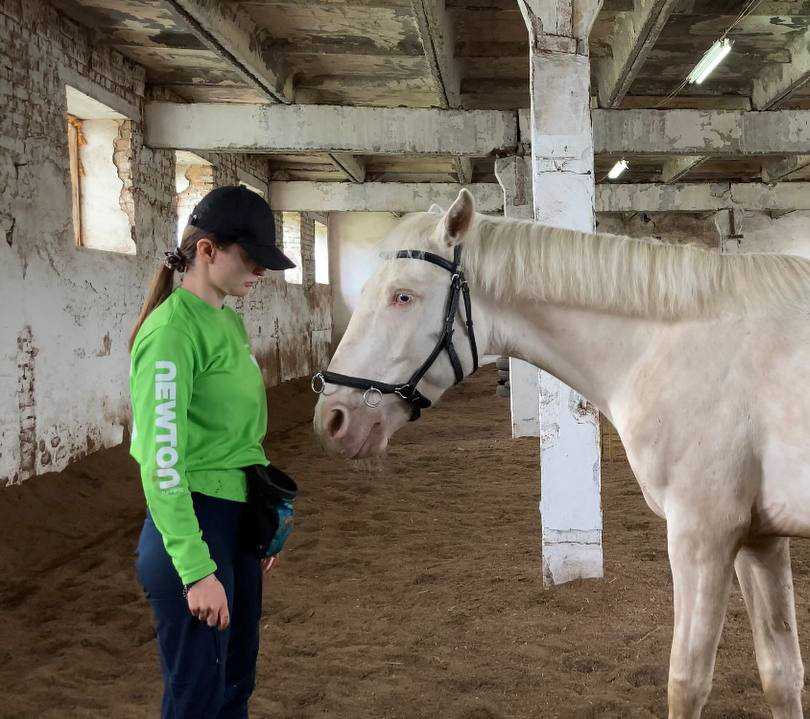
x: 199, y: 417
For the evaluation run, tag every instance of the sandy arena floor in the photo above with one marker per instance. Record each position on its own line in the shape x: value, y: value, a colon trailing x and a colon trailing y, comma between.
x: 410, y: 588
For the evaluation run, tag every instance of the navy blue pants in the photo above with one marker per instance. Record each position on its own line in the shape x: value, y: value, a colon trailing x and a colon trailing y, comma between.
x: 207, y: 673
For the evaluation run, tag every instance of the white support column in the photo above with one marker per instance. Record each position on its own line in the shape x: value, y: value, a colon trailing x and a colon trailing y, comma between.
x: 563, y: 189
x: 730, y: 226
x: 514, y: 175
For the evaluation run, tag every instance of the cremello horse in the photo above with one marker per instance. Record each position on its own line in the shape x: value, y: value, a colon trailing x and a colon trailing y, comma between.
x: 700, y: 360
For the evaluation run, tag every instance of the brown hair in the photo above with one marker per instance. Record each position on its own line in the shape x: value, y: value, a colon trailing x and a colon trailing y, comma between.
x: 181, y: 259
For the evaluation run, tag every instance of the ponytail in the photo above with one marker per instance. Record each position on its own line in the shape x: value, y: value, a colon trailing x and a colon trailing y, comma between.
x: 179, y: 260
x: 160, y: 288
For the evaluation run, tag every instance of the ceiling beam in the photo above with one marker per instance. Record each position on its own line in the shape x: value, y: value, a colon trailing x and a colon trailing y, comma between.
x: 417, y: 197
x: 585, y: 14
x: 464, y: 170
x: 231, y: 33
x: 675, y: 168
x: 349, y: 165
x: 634, y: 36
x: 435, y: 29
x: 777, y: 82
x: 688, y: 102
x: 225, y: 127
x: 703, y: 197
x: 378, y: 196
x: 767, y: 8
x: 436, y: 34
x: 700, y: 132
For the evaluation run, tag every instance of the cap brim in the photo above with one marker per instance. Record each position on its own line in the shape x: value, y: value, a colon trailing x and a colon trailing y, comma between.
x: 269, y: 256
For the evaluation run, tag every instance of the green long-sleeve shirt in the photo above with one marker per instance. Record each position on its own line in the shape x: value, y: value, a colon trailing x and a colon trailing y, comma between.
x: 199, y: 414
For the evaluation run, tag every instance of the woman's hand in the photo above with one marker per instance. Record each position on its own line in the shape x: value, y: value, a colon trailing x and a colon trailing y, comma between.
x: 269, y: 563
x: 208, y: 603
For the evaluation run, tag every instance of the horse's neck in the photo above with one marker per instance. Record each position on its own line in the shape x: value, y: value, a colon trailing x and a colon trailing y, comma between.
x: 594, y: 353
x: 572, y: 334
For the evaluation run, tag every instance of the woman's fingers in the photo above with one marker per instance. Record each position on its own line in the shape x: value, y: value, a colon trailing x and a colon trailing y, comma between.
x: 219, y: 617
x: 215, y: 616
x: 208, y: 602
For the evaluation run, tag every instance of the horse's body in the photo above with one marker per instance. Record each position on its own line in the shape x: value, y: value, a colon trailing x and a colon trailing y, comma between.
x: 701, y: 362
x: 722, y: 400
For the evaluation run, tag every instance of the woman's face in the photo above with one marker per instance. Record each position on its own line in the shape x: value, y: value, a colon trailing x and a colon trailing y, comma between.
x: 232, y: 271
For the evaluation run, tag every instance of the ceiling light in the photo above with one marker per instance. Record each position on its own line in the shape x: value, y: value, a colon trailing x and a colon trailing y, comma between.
x: 713, y: 57
x: 618, y: 169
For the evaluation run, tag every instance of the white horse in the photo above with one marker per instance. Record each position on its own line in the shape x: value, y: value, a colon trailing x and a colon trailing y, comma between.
x: 700, y: 360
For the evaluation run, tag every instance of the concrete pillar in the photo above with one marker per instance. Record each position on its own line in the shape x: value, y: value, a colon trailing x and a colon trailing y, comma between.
x: 514, y: 175
x: 730, y: 226
x: 563, y: 195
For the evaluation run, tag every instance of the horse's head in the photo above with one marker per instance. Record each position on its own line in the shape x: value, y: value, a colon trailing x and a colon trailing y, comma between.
x: 398, y: 334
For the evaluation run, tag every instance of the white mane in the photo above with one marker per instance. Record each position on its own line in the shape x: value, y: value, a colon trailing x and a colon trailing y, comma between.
x: 516, y: 259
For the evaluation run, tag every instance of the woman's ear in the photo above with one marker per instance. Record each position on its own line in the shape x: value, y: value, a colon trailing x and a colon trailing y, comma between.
x: 206, y: 250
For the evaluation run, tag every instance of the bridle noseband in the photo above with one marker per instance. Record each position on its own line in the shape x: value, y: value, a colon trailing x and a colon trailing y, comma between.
x: 374, y: 390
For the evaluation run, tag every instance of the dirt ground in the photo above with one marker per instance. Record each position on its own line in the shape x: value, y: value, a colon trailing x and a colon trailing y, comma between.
x: 411, y: 587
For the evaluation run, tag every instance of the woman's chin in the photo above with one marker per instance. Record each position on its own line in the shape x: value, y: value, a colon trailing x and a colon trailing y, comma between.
x: 241, y: 291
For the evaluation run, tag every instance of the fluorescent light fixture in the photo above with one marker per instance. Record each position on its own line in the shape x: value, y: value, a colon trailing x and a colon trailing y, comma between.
x: 713, y: 57
x: 618, y: 169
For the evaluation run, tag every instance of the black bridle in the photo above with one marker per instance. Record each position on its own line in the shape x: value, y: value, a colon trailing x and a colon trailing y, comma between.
x: 408, y: 390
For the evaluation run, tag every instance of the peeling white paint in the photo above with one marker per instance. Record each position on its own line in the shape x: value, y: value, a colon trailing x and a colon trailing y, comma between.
x: 379, y: 196
x: 569, y: 555
x: 776, y: 81
x: 701, y: 132
x: 702, y: 197
x: 313, y: 128
x: 563, y: 196
x: 63, y: 349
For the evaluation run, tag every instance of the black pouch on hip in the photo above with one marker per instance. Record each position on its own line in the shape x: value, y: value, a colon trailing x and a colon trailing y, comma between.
x: 269, y: 513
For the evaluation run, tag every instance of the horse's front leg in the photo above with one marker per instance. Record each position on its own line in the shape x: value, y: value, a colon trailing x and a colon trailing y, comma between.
x: 763, y: 569
x: 701, y: 555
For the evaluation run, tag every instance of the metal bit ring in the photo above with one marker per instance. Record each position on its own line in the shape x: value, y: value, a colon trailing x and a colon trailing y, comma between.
x: 318, y: 376
x: 372, y: 397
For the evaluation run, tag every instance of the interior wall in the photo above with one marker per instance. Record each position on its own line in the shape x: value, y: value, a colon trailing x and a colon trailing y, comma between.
x: 759, y: 231
x: 354, y: 239
x: 67, y: 311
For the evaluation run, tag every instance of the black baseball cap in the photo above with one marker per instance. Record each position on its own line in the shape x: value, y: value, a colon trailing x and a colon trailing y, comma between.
x: 240, y: 215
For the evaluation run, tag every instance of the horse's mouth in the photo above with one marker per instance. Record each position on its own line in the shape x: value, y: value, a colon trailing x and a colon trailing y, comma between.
x: 374, y: 443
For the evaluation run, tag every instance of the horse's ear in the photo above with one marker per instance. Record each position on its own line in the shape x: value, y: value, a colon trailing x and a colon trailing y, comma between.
x: 458, y: 218
x: 436, y: 210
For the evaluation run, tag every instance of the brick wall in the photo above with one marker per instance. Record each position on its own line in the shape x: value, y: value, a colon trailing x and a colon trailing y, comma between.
x: 68, y: 311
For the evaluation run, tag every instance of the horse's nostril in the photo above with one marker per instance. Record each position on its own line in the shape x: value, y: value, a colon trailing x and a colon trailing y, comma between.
x: 337, y: 423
